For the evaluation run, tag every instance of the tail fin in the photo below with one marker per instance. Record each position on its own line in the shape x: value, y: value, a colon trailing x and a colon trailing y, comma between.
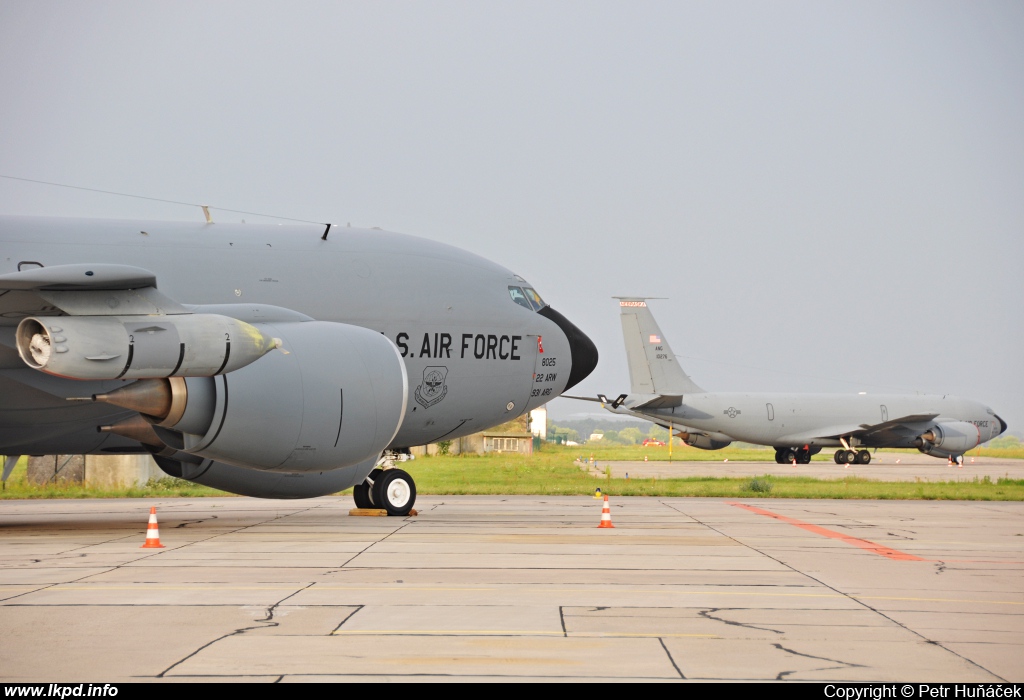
x: 653, y: 368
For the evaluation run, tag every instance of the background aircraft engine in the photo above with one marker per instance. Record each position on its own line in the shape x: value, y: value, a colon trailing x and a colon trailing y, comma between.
x: 710, y: 441
x: 946, y: 439
x: 335, y: 396
x: 133, y: 347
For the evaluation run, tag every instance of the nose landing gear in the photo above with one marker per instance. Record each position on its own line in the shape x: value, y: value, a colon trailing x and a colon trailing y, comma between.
x: 387, y: 487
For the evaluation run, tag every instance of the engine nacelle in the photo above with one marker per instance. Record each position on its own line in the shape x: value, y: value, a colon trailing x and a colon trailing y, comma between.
x: 945, y: 439
x: 261, y: 484
x: 135, y: 347
x: 706, y: 441
x: 336, y: 396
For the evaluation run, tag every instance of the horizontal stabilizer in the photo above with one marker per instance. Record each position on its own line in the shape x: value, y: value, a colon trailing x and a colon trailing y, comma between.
x: 583, y: 398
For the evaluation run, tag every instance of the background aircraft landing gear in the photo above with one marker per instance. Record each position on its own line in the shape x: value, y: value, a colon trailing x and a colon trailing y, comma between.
x: 840, y: 457
x: 786, y: 455
x: 863, y: 457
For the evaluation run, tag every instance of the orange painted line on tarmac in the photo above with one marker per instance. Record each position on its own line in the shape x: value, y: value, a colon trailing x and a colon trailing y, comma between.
x: 880, y: 549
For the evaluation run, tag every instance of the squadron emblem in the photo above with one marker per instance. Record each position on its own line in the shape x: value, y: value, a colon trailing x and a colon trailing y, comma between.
x: 433, y: 388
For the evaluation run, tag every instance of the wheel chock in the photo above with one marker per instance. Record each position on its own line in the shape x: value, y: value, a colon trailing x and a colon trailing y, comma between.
x: 376, y: 512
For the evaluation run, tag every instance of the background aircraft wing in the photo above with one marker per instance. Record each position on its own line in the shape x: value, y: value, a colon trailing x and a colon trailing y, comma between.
x: 863, y: 429
x: 896, y: 423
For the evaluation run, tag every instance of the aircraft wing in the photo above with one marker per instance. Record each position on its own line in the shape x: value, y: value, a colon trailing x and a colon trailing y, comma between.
x: 862, y: 429
x: 85, y: 290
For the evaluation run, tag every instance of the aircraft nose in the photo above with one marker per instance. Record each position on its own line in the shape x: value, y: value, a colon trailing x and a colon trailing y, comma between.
x: 582, y: 348
x: 1002, y: 425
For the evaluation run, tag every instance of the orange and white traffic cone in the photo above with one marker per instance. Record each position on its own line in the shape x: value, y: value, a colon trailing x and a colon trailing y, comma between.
x: 152, y: 532
x: 606, y: 514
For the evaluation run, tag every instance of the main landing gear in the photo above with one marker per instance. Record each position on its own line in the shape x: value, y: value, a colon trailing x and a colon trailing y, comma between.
x: 787, y: 455
x: 387, y: 488
x: 852, y: 457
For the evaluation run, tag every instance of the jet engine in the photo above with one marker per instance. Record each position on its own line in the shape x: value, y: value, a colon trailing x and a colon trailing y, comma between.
x: 945, y: 439
x: 705, y: 441
x: 261, y: 484
x: 334, y: 397
x: 133, y: 347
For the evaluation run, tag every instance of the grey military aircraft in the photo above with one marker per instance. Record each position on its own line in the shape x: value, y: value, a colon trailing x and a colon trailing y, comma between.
x: 266, y: 360
x: 796, y: 425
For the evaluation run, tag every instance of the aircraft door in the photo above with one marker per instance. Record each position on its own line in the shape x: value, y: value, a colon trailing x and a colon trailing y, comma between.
x: 885, y: 413
x: 771, y: 411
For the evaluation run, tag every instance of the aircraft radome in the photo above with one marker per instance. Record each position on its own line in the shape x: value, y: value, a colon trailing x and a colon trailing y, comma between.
x: 796, y: 425
x: 265, y: 360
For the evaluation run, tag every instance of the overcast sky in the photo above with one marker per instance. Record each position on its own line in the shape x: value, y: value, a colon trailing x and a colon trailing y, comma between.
x: 829, y: 195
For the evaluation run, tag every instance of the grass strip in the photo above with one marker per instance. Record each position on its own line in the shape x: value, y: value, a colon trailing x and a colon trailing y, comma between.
x: 544, y: 474
x: 552, y: 471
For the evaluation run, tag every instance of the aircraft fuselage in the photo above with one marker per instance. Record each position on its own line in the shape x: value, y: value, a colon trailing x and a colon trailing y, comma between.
x: 474, y: 357
x: 795, y: 420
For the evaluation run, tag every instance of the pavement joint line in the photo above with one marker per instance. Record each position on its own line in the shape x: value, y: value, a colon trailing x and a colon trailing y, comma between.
x: 412, y: 589
x: 512, y: 633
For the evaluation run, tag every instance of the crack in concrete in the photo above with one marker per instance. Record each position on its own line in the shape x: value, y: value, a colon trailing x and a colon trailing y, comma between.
x: 842, y: 664
x: 671, y: 660
x: 348, y: 617
x: 852, y: 598
x: 708, y: 614
x: 186, y: 523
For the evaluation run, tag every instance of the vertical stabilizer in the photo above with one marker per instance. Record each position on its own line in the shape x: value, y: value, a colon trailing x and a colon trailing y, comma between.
x: 653, y: 368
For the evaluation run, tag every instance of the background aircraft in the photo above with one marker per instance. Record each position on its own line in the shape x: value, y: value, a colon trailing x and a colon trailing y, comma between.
x: 273, y: 361
x: 796, y: 425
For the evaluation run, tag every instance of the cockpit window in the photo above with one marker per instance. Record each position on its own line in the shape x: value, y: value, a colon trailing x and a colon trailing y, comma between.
x: 534, y: 298
x: 518, y: 297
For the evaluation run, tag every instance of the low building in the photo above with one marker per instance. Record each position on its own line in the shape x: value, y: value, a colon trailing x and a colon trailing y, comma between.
x: 102, y: 471
x: 514, y: 436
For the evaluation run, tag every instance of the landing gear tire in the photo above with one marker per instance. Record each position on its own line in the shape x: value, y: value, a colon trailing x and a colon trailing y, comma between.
x: 850, y: 456
x: 803, y: 457
x: 361, y: 495
x: 394, y: 491
x: 780, y: 456
x: 863, y: 457
x: 840, y: 457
